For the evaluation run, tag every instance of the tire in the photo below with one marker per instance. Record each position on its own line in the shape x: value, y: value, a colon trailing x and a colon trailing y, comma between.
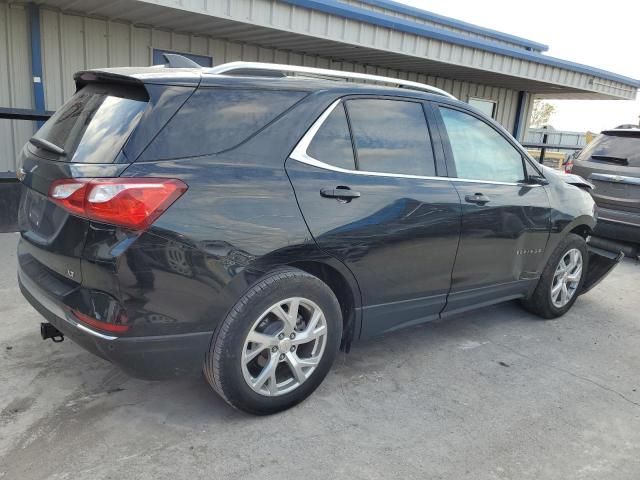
x: 540, y: 302
x: 263, y: 312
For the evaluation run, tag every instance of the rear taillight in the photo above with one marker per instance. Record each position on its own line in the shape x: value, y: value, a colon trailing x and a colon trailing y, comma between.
x: 568, y: 166
x: 120, y: 326
x: 128, y: 202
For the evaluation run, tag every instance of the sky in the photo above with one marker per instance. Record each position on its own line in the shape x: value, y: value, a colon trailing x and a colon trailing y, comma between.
x: 599, y: 34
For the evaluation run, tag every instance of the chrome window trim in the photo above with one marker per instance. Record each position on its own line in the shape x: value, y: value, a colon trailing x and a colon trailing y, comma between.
x: 300, y: 154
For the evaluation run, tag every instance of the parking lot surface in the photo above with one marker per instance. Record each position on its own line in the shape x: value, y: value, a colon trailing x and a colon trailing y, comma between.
x: 491, y: 394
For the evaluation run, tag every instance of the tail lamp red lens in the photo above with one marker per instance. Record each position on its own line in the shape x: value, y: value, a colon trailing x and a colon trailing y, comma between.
x: 100, y: 325
x: 568, y: 166
x: 128, y: 202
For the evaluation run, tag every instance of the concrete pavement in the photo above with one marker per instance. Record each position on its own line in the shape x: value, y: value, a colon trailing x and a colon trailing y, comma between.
x: 492, y: 394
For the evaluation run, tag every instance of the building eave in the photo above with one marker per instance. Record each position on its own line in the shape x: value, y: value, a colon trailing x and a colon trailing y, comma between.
x: 452, y: 22
x: 335, y: 8
x: 347, y: 34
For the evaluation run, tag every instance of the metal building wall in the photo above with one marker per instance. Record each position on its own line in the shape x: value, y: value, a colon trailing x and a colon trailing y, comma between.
x: 71, y: 43
x: 413, y: 18
x: 15, y: 81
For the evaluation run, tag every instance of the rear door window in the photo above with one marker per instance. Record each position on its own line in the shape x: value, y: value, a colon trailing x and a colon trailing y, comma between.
x: 217, y: 119
x: 94, y: 124
x: 332, y: 142
x: 391, y: 136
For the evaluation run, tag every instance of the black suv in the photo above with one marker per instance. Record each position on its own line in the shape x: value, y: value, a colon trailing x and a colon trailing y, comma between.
x: 249, y: 223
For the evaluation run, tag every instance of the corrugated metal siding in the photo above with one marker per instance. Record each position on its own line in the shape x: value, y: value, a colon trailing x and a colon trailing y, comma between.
x: 15, y: 81
x: 304, y: 21
x: 71, y: 43
x: 422, y: 21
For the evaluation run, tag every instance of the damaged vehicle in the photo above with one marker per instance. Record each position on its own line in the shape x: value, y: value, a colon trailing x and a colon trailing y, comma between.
x: 250, y: 220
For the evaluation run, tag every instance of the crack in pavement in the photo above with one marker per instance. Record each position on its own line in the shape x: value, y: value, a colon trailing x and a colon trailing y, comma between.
x: 569, y: 372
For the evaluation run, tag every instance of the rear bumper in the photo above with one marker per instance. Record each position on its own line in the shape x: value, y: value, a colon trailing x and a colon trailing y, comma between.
x: 618, y: 225
x: 601, y: 263
x: 152, y: 357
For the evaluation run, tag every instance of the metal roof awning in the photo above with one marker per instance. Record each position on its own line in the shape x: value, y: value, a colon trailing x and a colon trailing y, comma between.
x: 342, y: 31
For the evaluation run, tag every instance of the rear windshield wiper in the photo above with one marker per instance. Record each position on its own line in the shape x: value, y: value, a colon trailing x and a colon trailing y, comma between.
x: 607, y: 159
x: 47, y: 145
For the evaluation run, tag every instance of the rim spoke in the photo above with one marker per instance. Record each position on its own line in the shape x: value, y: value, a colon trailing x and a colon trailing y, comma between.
x: 279, y: 312
x: 555, y: 290
x: 575, y: 277
x: 289, y: 318
x: 262, y: 339
x: 251, y: 354
x: 267, y: 373
x: 315, y: 318
x: 307, y: 336
x: 295, y: 366
x: 294, y: 307
x: 309, y: 362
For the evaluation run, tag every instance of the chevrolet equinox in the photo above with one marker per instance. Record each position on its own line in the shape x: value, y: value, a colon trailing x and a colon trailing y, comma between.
x: 250, y: 220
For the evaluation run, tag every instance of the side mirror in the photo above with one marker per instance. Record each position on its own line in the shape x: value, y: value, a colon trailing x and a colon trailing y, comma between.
x: 538, y: 180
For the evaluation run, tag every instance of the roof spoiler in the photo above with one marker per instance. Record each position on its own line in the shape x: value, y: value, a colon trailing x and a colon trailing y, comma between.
x: 84, y: 77
x: 622, y: 132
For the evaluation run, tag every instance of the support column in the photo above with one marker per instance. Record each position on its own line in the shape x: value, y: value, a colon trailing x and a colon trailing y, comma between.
x: 36, y: 59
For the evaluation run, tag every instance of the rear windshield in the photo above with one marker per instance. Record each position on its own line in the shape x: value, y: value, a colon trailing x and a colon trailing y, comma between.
x: 94, y: 124
x: 217, y: 119
x: 621, y: 150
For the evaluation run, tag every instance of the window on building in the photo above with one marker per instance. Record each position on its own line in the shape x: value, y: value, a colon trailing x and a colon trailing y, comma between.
x: 479, y: 151
x: 391, y: 137
x: 332, y: 143
x: 488, y: 107
x: 202, y: 60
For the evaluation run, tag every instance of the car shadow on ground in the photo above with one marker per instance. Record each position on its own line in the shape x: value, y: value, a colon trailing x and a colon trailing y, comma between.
x: 96, y: 382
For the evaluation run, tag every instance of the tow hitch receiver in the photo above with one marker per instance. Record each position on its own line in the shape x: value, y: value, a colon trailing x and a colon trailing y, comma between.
x: 49, y: 331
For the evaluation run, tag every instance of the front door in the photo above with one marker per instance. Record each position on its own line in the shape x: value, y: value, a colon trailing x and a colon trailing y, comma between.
x: 369, y: 191
x: 505, y: 219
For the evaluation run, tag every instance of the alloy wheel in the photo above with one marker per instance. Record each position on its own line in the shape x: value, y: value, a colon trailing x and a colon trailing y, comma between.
x: 284, y: 346
x: 566, y: 278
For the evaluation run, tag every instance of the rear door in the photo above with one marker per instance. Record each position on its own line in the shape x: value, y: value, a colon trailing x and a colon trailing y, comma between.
x: 505, y: 219
x: 366, y: 181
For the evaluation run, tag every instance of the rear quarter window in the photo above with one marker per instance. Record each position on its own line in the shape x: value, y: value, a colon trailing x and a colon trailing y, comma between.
x: 217, y: 119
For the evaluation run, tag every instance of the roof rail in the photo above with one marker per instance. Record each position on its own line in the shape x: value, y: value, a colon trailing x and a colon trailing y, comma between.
x: 259, y: 68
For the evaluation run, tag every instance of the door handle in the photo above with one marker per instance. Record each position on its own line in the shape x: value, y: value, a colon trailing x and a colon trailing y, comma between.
x: 340, y: 192
x: 478, y: 198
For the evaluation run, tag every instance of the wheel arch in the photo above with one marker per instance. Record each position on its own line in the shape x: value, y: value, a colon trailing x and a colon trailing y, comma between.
x: 583, y: 230
x: 348, y: 295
